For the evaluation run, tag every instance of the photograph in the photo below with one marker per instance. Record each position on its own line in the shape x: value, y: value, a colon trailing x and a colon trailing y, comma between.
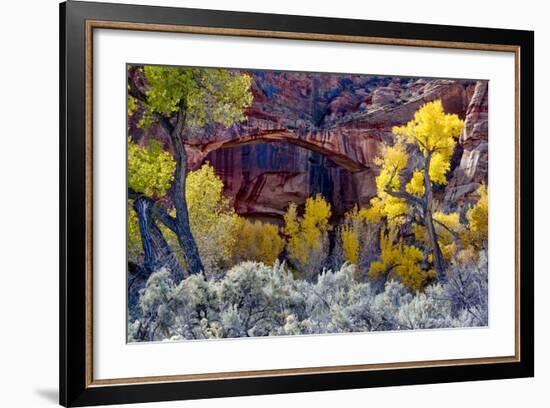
x: 274, y: 204
x: 260, y: 201
x: 277, y: 203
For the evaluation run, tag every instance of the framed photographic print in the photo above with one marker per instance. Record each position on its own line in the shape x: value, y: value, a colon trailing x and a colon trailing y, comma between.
x: 255, y: 203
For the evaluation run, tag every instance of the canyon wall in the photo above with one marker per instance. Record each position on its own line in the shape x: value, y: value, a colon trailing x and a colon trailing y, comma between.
x: 311, y: 133
x: 319, y: 133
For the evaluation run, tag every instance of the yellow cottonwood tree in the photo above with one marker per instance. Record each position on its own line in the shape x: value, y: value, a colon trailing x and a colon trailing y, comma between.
x: 211, y: 216
x: 256, y: 241
x: 432, y: 134
x: 478, y: 221
x: 353, y: 234
x: 307, y: 237
x: 350, y: 244
x: 401, y: 260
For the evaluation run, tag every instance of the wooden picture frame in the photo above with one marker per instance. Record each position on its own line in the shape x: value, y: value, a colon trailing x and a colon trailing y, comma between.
x: 78, y: 20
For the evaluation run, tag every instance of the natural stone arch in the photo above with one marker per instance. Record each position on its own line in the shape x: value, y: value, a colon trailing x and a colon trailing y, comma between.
x: 248, y: 196
x: 352, y: 153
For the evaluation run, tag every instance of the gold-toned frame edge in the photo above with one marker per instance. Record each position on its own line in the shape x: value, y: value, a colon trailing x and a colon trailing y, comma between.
x: 104, y: 24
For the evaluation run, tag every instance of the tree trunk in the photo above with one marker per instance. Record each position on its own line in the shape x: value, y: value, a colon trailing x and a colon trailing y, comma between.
x: 181, y: 228
x: 185, y: 237
x: 143, y: 211
x: 156, y: 251
x: 439, y: 261
x: 166, y: 256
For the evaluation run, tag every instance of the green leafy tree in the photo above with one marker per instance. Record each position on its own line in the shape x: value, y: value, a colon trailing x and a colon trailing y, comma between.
x: 177, y: 99
x: 150, y: 171
x: 150, y: 168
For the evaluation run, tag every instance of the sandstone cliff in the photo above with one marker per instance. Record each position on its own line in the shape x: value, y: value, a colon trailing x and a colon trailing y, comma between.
x: 309, y: 133
x: 320, y: 133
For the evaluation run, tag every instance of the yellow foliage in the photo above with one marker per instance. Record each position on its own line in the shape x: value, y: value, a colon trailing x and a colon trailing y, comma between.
x: 150, y: 168
x: 420, y: 233
x: 415, y: 185
x: 204, y: 195
x: 315, y: 222
x: 432, y: 129
x: 392, y: 161
x: 478, y: 220
x: 478, y: 215
x: 358, y: 235
x: 434, y: 133
x: 292, y: 225
x: 350, y: 234
x: 375, y: 212
x: 306, y: 235
x: 447, y: 227
x: 386, y: 206
x: 400, y: 259
x: 296, y: 245
x: 134, y: 235
x: 448, y: 250
x: 132, y: 105
x: 449, y: 220
x: 395, y: 210
x: 350, y: 245
x: 211, y: 217
x: 256, y: 241
x: 223, y: 238
x: 439, y: 166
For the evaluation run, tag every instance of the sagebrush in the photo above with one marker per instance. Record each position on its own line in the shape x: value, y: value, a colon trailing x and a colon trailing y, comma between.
x: 254, y: 299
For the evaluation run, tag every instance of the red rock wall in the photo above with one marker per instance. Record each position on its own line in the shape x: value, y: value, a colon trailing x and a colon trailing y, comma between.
x: 474, y: 162
x: 309, y: 133
x: 349, y: 130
